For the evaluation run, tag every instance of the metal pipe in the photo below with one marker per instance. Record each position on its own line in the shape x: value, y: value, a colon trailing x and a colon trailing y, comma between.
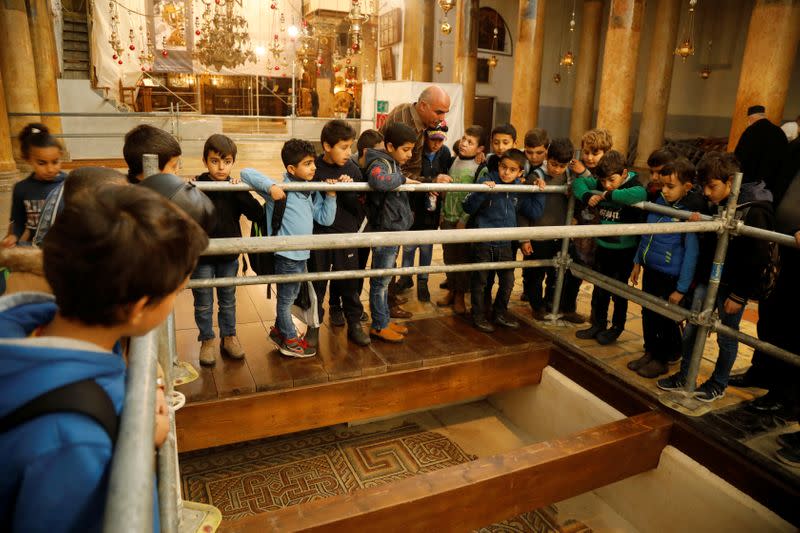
x: 563, y: 257
x: 129, y: 506
x: 713, y: 282
x: 364, y: 187
x: 168, y: 452
x: 367, y: 273
x: 771, y: 349
x: 782, y: 239
x: 397, y: 238
x: 669, y: 211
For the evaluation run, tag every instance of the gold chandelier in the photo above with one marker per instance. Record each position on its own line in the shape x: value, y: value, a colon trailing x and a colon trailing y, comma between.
x: 686, y: 46
x: 224, y: 41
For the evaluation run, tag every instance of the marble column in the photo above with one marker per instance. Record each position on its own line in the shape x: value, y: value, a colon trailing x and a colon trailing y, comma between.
x: 466, y: 54
x: 618, y: 80
x: 528, y: 66
x: 17, y: 66
x: 46, y: 60
x: 769, y: 54
x: 659, y: 79
x: 586, y: 70
x: 419, y: 31
x: 8, y: 168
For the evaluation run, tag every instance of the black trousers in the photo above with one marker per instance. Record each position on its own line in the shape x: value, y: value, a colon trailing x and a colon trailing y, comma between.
x: 344, y: 292
x: 616, y: 264
x: 662, y: 336
x: 539, y: 283
x: 482, y: 253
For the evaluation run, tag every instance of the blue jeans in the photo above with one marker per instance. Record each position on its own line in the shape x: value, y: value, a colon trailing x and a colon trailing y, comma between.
x: 382, y: 257
x: 425, y: 257
x: 287, y: 292
x: 204, y: 300
x: 728, y: 346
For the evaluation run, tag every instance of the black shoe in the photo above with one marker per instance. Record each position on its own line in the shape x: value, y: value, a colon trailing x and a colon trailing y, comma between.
x: 708, y: 392
x: 312, y: 337
x: 483, y: 325
x: 789, y: 456
x: 364, y: 316
x: 423, y: 294
x: 444, y: 285
x: 789, y: 440
x: 357, y: 334
x: 538, y: 314
x: 675, y: 359
x: 673, y: 382
x: 590, y: 332
x: 653, y: 369
x: 769, y: 403
x: 573, y: 317
x: 746, y: 379
x: 636, y: 364
x: 403, y: 284
x: 337, y: 317
x: 610, y: 335
x: 504, y: 319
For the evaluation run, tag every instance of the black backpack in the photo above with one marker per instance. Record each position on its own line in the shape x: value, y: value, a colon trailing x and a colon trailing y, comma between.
x: 263, y: 263
x: 769, y: 275
x: 83, y: 397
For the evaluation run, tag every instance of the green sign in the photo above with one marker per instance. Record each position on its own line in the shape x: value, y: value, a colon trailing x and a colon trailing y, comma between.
x: 383, y: 106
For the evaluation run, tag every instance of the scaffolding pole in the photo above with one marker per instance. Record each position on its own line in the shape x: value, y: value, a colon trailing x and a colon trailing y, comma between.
x: 563, y: 259
x: 360, y: 186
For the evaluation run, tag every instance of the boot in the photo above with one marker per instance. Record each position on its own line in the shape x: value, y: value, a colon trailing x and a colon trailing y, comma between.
x: 447, y: 301
x: 232, y: 347
x: 207, y: 355
x: 459, y: 306
x: 312, y: 337
x: 357, y: 334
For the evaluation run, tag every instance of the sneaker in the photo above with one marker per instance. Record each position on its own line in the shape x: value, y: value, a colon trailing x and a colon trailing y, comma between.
x: 708, y: 392
x: 386, y: 335
x: 276, y: 336
x: 207, y: 355
x: 337, y: 317
x: 574, y: 317
x: 357, y: 334
x: 636, y: 364
x: 364, y: 316
x: 673, y: 382
x: 506, y: 320
x: 590, y: 332
x: 653, y: 369
x: 403, y: 284
x: 789, y: 440
x: 399, y: 328
x: 297, y: 347
x: 483, y: 325
x: 423, y: 294
x: 312, y: 337
x: 789, y: 456
x: 608, y: 336
x: 232, y: 347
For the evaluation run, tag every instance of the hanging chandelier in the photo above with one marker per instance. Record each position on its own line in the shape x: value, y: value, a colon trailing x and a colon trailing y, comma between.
x: 446, y: 6
x: 568, y: 59
x: 356, y: 19
x: 686, y: 46
x: 224, y: 40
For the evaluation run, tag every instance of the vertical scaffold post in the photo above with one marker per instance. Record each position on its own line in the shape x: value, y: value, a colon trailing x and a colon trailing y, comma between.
x: 562, y: 259
x: 713, y: 283
x: 168, y: 453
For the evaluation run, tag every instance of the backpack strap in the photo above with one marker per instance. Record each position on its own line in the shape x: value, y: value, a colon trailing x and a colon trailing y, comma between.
x: 278, y: 209
x: 83, y: 397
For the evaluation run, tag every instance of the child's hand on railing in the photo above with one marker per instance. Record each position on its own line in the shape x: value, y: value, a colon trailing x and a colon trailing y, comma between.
x: 344, y: 178
x: 637, y: 268
x: 332, y: 181
x: 489, y: 184
x: 277, y: 193
x: 596, y: 199
x: 675, y: 298
x: 540, y: 183
x: 235, y: 179
x: 526, y: 247
x: 695, y: 217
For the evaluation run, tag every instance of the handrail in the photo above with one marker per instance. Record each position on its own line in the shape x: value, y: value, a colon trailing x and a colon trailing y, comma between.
x: 360, y: 186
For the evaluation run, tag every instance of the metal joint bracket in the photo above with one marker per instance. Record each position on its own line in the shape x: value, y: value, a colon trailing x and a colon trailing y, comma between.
x: 562, y: 260
x: 705, y: 318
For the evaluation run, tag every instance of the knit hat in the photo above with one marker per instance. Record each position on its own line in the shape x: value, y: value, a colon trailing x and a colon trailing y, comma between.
x: 439, y: 132
x: 754, y: 109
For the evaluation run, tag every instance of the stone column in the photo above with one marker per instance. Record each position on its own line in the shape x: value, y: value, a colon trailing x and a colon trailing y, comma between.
x: 8, y: 168
x: 769, y: 54
x: 46, y: 60
x: 586, y: 70
x: 528, y: 66
x: 659, y: 79
x: 466, y: 61
x: 16, y: 66
x: 618, y: 81
x: 419, y: 31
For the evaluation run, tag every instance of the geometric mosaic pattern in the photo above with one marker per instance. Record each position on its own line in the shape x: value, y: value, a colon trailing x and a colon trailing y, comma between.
x: 268, y: 474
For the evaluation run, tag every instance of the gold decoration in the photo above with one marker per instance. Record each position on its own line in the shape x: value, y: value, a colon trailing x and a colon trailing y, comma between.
x: 447, y: 5
x: 705, y: 72
x: 686, y: 47
x: 438, y: 67
x: 225, y: 41
x: 492, y: 61
x: 557, y: 77
x: 446, y: 27
x: 568, y: 60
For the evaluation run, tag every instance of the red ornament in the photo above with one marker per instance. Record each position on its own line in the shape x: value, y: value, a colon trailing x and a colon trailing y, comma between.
x: 355, y: 47
x: 197, y: 32
x: 120, y: 61
x: 277, y: 67
x: 164, y: 53
x: 273, y: 5
x: 336, y: 69
x: 131, y: 47
x: 114, y: 56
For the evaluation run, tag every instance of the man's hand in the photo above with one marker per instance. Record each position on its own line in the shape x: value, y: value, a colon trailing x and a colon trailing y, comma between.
x: 489, y: 184
x: 596, y: 199
x: 675, y: 297
x: 637, y: 269
x: 526, y: 247
x: 732, y: 307
x: 277, y: 193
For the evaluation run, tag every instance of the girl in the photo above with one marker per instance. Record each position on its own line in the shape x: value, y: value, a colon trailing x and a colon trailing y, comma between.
x: 43, y: 152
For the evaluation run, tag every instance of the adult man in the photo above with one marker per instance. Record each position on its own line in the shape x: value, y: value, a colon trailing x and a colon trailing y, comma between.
x: 761, y: 147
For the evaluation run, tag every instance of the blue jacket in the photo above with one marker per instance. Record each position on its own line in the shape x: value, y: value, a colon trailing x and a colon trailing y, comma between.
x: 498, y: 209
x: 55, y: 468
x: 302, y: 210
x: 671, y: 253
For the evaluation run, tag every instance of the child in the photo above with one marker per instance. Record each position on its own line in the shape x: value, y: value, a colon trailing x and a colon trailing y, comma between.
x: 462, y: 170
x: 388, y: 211
x: 334, y: 164
x: 43, y: 152
x: 436, y: 160
x: 746, y: 259
x: 669, y: 262
x: 219, y: 155
x: 536, y: 143
x: 655, y: 163
x: 554, y: 172
x: 368, y: 139
x: 614, y: 255
x: 498, y: 210
x: 54, y: 475
x: 302, y: 210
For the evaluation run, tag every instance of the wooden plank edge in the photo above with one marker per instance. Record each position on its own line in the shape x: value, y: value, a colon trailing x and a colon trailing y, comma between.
x: 215, y: 423
x: 481, y: 492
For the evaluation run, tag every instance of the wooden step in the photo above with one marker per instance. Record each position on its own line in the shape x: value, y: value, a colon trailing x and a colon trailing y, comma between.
x: 469, y: 496
x: 77, y: 46
x: 73, y: 55
x: 74, y: 17
x: 76, y: 26
x: 78, y: 36
x: 259, y: 415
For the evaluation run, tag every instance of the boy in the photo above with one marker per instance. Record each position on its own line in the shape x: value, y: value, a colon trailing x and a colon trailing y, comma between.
x: 554, y: 172
x: 302, y: 210
x: 614, y: 255
x: 669, y: 262
x: 498, y: 210
x: 746, y: 259
x: 388, y: 211
x: 536, y: 143
x: 54, y: 475
x: 219, y: 155
x: 436, y: 160
x: 462, y: 170
x: 655, y: 163
x: 367, y: 139
x: 337, y: 137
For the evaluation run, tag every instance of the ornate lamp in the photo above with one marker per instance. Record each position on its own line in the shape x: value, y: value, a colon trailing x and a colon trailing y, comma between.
x: 686, y: 46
